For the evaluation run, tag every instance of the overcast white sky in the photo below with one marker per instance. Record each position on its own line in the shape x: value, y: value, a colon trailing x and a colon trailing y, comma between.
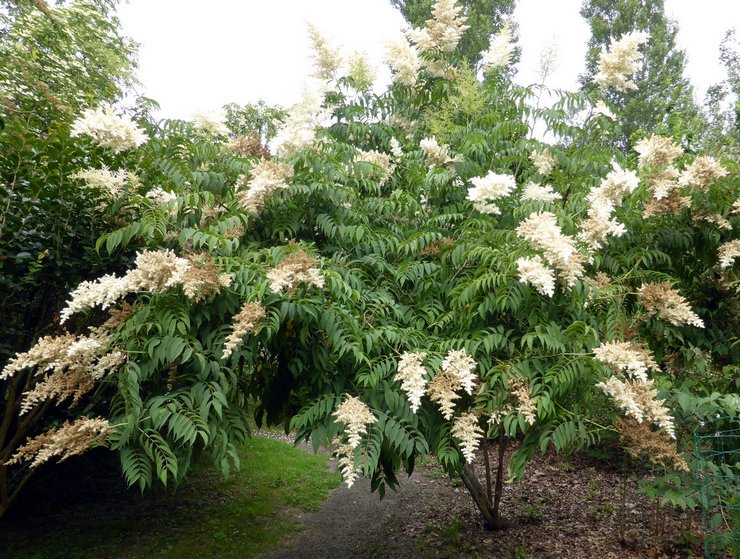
x: 200, y: 55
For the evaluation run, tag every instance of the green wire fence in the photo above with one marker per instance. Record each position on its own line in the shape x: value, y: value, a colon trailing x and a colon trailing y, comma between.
x: 717, y: 446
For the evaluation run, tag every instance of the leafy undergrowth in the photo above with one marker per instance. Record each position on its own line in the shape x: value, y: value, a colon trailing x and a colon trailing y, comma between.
x: 206, y: 517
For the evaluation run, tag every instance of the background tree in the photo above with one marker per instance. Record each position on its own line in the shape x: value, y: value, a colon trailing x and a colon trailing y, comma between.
x: 722, y: 102
x: 664, y: 102
x: 258, y: 117
x: 483, y: 16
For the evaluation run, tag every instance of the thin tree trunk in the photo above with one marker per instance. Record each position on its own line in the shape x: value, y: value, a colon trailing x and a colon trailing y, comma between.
x: 487, y: 461
x: 479, y: 496
x: 500, y: 522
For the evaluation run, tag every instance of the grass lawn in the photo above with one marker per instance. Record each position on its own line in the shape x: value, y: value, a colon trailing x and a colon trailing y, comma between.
x: 207, y: 517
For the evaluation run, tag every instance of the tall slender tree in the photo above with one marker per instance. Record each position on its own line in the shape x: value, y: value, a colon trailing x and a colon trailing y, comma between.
x: 483, y: 16
x: 664, y: 101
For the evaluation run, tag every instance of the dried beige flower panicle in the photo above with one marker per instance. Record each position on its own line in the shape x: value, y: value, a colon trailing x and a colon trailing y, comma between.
x: 443, y: 31
x: 489, y: 188
x: 66, y: 366
x: 46, y: 354
x: 702, y: 173
x: 728, y: 252
x: 620, y: 61
x: 70, y: 439
x: 672, y: 203
x: 411, y: 375
x: 203, y: 278
x: 626, y: 357
x: 403, y: 58
x: 381, y: 160
x: 717, y: 220
x: 265, y: 179
x: 641, y: 441
x: 356, y: 417
x: 443, y: 391
x: 525, y: 405
x: 295, y: 269
x: 500, y: 50
x: 249, y: 145
x: 667, y: 303
x: 543, y: 161
x: 542, y: 231
x: 535, y: 272
x: 109, y: 129
x: 465, y: 428
x: 246, y: 321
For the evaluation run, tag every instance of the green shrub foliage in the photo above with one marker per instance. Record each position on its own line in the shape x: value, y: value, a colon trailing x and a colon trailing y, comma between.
x: 428, y: 219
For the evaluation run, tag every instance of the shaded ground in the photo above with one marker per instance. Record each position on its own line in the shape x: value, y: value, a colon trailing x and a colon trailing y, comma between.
x: 562, y: 509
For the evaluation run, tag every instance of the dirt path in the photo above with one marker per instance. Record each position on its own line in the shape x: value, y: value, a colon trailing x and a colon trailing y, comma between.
x: 356, y: 523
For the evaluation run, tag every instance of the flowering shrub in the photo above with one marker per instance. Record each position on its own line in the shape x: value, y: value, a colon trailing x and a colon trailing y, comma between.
x: 413, y: 273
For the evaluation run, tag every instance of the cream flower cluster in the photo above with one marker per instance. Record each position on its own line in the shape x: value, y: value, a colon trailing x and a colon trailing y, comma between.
x: 657, y: 151
x: 345, y: 455
x: 246, y: 321
x: 211, y: 122
x: 160, y: 196
x: 436, y: 155
x: 638, y: 399
x: 411, y: 374
x: 465, y: 428
x: 620, y: 61
x: 543, y: 161
x: 534, y: 271
x: 600, y: 109
x: 70, y: 439
x: 702, y: 173
x: 155, y: 271
x: 668, y: 304
x: 266, y: 178
x: 110, y: 183
x: 500, y: 50
x: 443, y: 31
x: 403, y: 58
x: 525, y: 405
x: 295, y: 269
x: 396, y: 150
x: 381, y: 160
x: 457, y: 374
x: 603, y: 200
x: 627, y: 358
x: 539, y: 193
x: 299, y: 129
x: 327, y: 57
x: 108, y: 129
x: 728, y: 252
x: 489, y: 188
x: 356, y: 417
x: 542, y: 231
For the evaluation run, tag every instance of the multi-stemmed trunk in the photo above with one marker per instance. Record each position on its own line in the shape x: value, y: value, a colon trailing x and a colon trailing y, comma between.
x: 488, y: 501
